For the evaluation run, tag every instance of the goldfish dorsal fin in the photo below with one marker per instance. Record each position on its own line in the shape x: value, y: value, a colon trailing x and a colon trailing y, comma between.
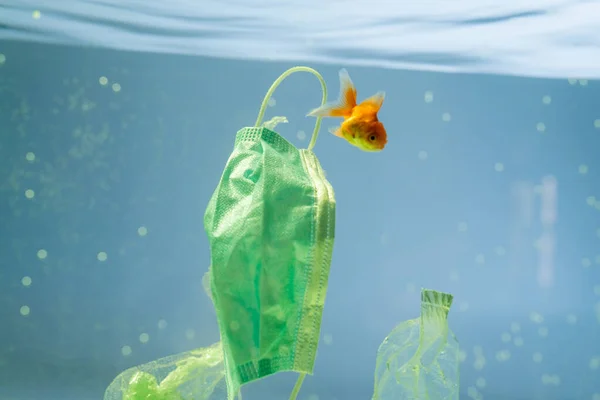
x: 375, y: 101
x: 347, y: 98
x: 345, y: 103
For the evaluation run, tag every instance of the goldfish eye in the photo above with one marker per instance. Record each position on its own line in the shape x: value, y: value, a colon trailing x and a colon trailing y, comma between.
x: 372, y: 137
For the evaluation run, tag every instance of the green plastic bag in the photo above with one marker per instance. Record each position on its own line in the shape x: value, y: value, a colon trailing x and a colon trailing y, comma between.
x: 270, y: 223
x: 419, y: 359
x: 193, y: 375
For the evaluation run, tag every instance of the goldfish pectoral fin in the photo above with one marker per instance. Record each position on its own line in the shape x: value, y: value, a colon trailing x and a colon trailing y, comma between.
x: 337, y: 131
x: 376, y: 100
x: 345, y: 103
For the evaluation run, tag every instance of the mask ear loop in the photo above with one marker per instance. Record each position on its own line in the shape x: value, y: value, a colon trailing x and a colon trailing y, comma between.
x: 263, y: 107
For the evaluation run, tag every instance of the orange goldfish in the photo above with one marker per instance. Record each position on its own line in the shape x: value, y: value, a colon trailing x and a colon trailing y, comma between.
x: 360, y: 127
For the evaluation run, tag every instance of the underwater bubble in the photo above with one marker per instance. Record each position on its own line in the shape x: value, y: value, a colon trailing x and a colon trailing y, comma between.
x: 505, y: 337
x: 541, y: 127
x: 473, y: 393
x: 572, y: 81
x: 590, y: 200
x: 103, y: 80
x: 571, y: 319
x: 301, y: 135
x: 595, y: 363
x: 536, y: 317
x: 586, y: 262
x: 500, y: 250
x: 546, y: 99
x: 462, y: 227
x: 499, y: 167
x: 234, y: 325
x: 116, y: 87
x: 30, y: 156
x: 515, y: 327
x: 144, y: 338
x: 446, y: 117
x: 480, y: 382
x: 518, y: 341
x: 26, y: 281
x: 537, y: 357
x: 550, y: 379
x: 327, y: 338
x: 29, y: 193
x: 102, y: 256
x: 480, y: 259
x: 454, y: 276
x: 583, y: 169
x: 502, y: 355
x: 126, y: 350
x: 462, y: 355
x: 142, y: 231
x: 543, y: 331
x: 36, y: 14
x: 2, y: 58
x: 428, y: 96
x: 272, y: 102
x: 190, y: 334
x: 42, y: 254
x: 596, y: 396
x: 422, y: 155
x: 162, y: 324
x: 597, y: 123
x: 479, y: 364
x: 583, y: 82
x: 24, y: 310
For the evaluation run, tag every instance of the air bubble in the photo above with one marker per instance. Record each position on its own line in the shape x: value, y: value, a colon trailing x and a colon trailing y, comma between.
x: 541, y: 127
x: 428, y: 96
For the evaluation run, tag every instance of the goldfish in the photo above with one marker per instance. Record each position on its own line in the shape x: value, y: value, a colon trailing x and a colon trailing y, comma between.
x: 360, y: 126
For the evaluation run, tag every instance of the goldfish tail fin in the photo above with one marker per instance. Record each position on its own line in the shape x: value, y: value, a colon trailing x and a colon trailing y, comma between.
x: 375, y: 101
x: 345, y: 103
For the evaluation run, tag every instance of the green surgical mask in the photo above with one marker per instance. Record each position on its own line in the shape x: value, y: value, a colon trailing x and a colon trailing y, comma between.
x: 270, y: 224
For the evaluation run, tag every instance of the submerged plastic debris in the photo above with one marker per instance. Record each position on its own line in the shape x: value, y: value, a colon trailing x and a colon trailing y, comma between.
x: 273, y: 122
x: 419, y: 359
x: 192, y: 375
x: 270, y: 224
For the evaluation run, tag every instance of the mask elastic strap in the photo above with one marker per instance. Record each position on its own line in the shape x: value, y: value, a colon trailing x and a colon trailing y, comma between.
x: 263, y: 107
